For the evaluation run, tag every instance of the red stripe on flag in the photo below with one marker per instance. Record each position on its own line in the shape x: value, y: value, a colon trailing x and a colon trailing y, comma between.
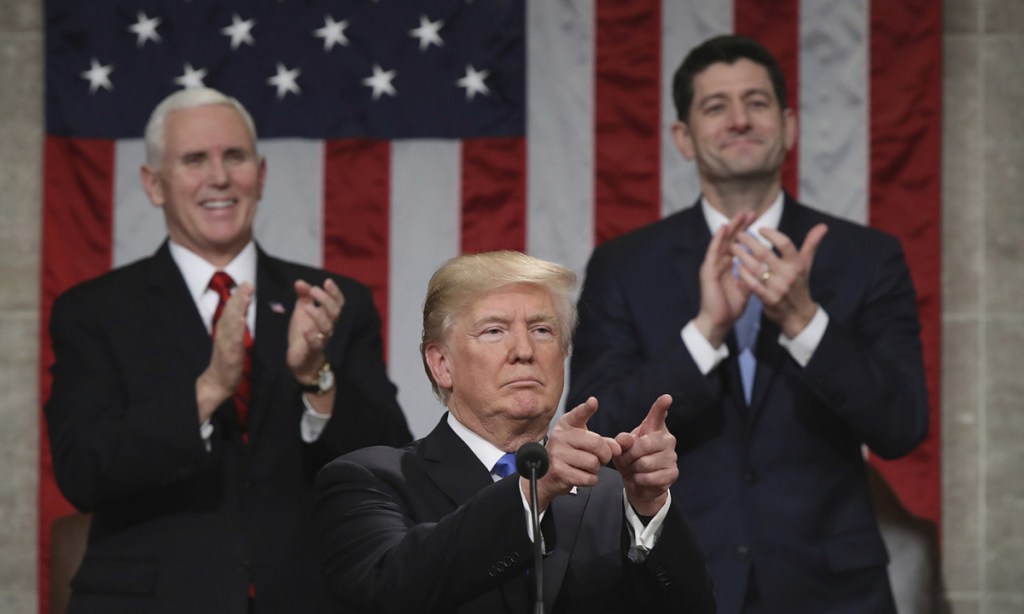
x: 627, y: 114
x: 493, y: 194
x: 357, y: 194
x: 906, y: 149
x: 776, y: 25
x: 77, y: 241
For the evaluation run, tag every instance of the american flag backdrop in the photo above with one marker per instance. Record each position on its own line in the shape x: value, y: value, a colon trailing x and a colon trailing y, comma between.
x: 399, y: 133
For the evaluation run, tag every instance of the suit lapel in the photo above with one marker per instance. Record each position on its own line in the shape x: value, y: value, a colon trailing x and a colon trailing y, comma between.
x: 692, y: 237
x: 688, y: 232
x: 451, y: 465
x: 771, y: 356
x: 568, y: 515
x: 275, y: 301
x: 177, y: 318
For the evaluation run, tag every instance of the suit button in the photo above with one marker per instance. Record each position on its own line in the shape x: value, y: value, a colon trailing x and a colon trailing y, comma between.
x: 743, y: 553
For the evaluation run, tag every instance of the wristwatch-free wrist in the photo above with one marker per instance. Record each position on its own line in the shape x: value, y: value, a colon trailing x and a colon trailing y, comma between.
x: 323, y: 381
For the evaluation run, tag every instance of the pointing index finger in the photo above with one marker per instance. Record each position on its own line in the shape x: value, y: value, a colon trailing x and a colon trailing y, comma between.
x: 655, y: 420
x: 578, y: 417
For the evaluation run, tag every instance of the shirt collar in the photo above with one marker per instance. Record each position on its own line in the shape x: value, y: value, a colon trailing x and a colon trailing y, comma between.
x: 769, y: 219
x: 484, y: 450
x: 197, y: 272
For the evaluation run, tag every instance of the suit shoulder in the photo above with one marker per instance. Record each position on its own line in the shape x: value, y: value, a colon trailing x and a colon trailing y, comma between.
x: 350, y: 287
x: 384, y: 462
x: 654, y: 233
x: 643, y: 245
x: 111, y: 285
x: 864, y: 237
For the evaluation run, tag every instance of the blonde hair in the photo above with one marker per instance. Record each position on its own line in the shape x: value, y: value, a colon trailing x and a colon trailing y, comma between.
x: 464, y: 279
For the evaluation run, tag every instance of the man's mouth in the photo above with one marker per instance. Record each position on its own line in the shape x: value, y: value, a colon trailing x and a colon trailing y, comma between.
x: 523, y: 382
x: 218, y: 204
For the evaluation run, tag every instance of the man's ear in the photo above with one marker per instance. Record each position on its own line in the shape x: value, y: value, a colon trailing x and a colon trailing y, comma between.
x: 790, y: 128
x: 682, y: 139
x: 151, y: 184
x: 439, y: 366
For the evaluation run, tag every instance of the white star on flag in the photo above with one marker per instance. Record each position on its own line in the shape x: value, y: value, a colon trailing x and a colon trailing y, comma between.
x: 284, y: 81
x: 474, y: 82
x: 381, y: 82
x: 239, y: 31
x: 428, y: 32
x: 145, y: 29
x: 191, y: 78
x: 98, y: 76
x: 332, y: 32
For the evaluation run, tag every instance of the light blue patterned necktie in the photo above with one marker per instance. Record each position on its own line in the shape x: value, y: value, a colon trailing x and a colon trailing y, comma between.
x: 746, y: 329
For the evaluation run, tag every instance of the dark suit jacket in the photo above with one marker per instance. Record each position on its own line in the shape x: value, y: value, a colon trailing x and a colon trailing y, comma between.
x: 425, y: 529
x: 780, y: 486
x: 177, y: 528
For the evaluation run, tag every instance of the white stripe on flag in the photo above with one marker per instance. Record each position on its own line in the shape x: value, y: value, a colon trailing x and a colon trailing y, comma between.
x: 138, y: 225
x: 425, y: 231
x: 560, y: 125
x: 684, y: 25
x: 833, y: 118
x: 290, y: 222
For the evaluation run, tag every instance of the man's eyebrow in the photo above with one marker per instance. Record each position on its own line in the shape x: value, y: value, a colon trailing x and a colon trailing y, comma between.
x: 501, y: 317
x: 496, y: 316
x: 755, y: 91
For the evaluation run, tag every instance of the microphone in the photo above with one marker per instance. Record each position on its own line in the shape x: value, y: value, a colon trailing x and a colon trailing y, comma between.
x: 532, y: 456
x: 532, y: 463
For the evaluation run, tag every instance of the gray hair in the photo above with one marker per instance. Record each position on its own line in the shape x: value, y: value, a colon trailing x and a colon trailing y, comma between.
x: 463, y: 279
x: 189, y: 98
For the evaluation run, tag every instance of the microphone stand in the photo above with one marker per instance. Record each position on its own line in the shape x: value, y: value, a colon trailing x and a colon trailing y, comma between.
x: 532, y: 462
x: 538, y: 554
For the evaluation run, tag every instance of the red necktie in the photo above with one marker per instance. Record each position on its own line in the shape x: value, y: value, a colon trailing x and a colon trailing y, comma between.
x: 221, y: 283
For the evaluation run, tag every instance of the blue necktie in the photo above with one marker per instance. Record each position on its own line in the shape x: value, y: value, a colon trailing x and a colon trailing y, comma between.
x: 746, y: 329
x: 505, y: 466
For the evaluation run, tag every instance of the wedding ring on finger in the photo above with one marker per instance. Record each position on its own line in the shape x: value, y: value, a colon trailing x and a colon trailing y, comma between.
x: 321, y: 336
x: 766, y: 272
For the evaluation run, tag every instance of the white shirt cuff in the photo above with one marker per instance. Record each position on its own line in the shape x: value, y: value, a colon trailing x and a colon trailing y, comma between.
x: 704, y: 354
x: 802, y: 347
x: 205, y: 432
x: 529, y: 518
x: 313, y: 422
x: 644, y: 538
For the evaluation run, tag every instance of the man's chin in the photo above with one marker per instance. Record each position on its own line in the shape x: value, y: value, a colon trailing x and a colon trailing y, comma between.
x: 527, y: 406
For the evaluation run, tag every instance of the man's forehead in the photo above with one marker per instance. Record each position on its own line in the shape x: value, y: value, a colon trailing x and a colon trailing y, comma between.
x: 513, y: 301
x: 722, y: 77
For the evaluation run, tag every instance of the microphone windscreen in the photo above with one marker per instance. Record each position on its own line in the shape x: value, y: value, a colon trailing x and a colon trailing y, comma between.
x: 532, y: 455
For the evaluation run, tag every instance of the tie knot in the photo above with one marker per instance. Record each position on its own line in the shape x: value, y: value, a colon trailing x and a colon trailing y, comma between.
x: 505, y: 466
x: 222, y: 283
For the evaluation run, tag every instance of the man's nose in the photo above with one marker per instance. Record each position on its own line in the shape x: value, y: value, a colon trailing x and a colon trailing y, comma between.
x: 521, y: 346
x: 217, y: 172
x: 739, y: 117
